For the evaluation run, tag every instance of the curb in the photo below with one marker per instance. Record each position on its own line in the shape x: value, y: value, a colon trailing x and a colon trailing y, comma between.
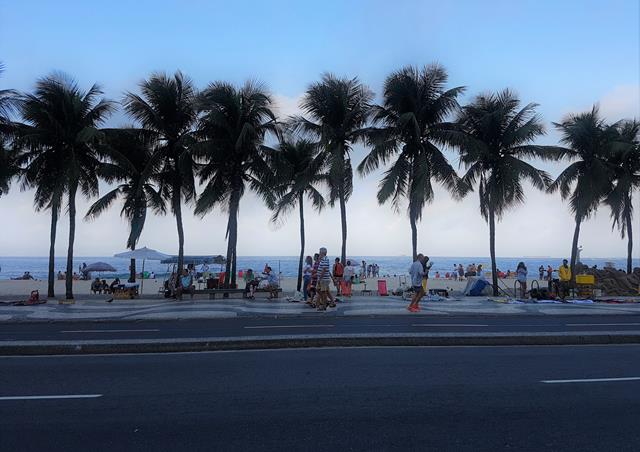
x: 87, y: 347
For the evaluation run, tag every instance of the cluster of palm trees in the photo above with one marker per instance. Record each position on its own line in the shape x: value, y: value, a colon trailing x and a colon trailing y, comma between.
x: 51, y: 140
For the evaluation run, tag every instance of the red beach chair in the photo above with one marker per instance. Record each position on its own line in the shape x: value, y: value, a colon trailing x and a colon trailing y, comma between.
x: 382, y: 288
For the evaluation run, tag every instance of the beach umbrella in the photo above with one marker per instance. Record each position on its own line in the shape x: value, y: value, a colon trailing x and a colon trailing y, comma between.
x: 143, y: 253
x: 99, y: 267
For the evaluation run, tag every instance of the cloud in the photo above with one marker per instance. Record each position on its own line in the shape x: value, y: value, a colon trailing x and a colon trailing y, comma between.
x: 286, y: 106
x: 622, y: 102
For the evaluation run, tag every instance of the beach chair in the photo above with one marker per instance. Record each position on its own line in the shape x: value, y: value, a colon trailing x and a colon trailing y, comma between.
x: 382, y: 288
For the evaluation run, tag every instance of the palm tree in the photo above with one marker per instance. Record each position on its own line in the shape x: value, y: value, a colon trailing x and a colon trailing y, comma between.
x: 625, y: 163
x: 339, y: 109
x: 44, y: 172
x: 131, y: 164
x: 297, y: 168
x: 9, y: 167
x: 410, y: 122
x: 494, y: 139
x: 232, y: 128
x: 61, y: 131
x: 590, y: 142
x: 166, y: 110
x: 8, y: 163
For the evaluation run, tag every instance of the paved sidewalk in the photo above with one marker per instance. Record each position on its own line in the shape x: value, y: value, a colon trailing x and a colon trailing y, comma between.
x: 160, y: 309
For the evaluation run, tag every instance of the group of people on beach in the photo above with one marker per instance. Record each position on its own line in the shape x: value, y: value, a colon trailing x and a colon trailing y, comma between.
x: 318, y: 274
x: 459, y: 272
x: 419, y: 274
x: 561, y: 284
x: 369, y: 271
x: 269, y: 281
x: 99, y: 286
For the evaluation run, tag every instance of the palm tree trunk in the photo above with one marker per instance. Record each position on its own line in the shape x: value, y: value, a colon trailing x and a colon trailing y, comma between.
x: 177, y: 209
x: 492, y: 250
x: 343, y: 221
x: 72, y: 234
x: 52, y: 252
x: 629, y: 241
x: 229, y: 257
x: 234, y: 264
x: 232, y: 239
x: 301, y: 202
x: 132, y: 270
x: 414, y: 233
x: 574, y: 248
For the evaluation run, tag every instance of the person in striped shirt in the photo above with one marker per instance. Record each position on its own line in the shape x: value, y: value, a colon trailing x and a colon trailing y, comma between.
x: 324, y: 279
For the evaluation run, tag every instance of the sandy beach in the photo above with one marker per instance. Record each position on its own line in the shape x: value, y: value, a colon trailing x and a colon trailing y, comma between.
x: 21, y: 289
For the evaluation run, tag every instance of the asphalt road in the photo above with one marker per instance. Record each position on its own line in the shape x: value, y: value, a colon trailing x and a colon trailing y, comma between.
x: 263, y: 326
x: 467, y: 398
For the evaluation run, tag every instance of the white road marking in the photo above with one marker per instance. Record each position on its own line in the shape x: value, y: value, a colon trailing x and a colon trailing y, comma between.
x: 264, y: 327
x: 109, y: 331
x: 591, y: 380
x: 52, y: 397
x: 448, y: 324
x: 602, y: 324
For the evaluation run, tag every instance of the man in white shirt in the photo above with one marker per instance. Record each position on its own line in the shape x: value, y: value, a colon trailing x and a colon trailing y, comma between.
x: 417, y: 273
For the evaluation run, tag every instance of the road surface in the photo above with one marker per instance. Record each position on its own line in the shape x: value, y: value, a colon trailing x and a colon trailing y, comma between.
x: 450, y: 398
x: 311, y: 324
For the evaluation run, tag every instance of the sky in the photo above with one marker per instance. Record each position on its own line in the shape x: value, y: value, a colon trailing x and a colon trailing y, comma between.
x: 565, y: 56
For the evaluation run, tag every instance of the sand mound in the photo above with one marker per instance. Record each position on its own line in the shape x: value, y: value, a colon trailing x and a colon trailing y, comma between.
x: 614, y: 282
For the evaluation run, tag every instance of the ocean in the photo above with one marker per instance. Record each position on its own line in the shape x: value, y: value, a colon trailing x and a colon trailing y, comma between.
x: 12, y: 267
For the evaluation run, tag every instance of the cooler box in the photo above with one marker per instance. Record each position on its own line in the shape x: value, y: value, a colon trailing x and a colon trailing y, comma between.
x: 585, y: 279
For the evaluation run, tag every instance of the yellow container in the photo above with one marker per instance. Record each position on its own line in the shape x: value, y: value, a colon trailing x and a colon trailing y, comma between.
x: 585, y: 279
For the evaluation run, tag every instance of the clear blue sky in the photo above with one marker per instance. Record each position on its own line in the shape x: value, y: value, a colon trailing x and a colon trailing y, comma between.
x: 564, y: 55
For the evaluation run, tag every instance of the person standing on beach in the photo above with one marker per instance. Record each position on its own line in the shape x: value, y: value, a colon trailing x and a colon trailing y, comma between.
x: 338, y: 275
x: 417, y: 272
x: 564, y: 273
x: 349, y: 273
x: 324, y: 279
x: 313, y: 284
x: 425, y: 279
x: 460, y: 272
x: 306, y: 276
x: 521, y: 276
x: 541, y: 271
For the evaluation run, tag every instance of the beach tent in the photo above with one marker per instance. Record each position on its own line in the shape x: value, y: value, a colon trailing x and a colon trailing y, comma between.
x: 476, y: 287
x: 143, y: 253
